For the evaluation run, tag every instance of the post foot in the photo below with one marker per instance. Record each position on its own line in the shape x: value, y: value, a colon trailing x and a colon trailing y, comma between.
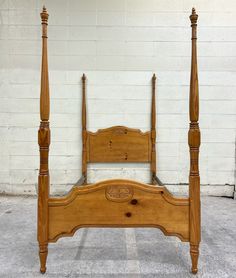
x: 43, y: 252
x: 194, y: 252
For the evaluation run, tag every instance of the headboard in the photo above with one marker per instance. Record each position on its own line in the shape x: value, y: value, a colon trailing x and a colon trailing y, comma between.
x: 118, y: 143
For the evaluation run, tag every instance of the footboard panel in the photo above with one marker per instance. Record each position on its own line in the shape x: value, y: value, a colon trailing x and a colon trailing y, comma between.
x: 118, y: 203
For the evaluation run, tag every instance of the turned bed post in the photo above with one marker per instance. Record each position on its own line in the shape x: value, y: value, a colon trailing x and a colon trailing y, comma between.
x: 153, y: 130
x: 194, y: 144
x: 44, y: 142
x: 84, y: 131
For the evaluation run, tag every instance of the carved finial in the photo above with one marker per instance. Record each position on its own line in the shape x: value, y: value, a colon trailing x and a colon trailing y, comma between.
x: 44, y: 15
x: 154, y: 77
x: 84, y: 77
x: 193, y: 17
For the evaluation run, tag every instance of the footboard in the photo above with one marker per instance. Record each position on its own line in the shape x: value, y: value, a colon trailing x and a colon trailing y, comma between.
x: 118, y: 203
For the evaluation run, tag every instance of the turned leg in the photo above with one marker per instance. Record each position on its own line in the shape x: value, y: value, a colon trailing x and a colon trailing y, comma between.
x: 194, y: 252
x: 44, y: 143
x: 43, y: 252
x: 194, y: 141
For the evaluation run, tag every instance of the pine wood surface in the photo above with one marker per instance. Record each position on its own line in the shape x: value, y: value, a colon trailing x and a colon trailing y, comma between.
x: 118, y: 144
x: 194, y: 144
x: 120, y: 202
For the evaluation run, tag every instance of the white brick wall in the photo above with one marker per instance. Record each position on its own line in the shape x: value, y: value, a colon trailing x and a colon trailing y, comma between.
x: 118, y: 44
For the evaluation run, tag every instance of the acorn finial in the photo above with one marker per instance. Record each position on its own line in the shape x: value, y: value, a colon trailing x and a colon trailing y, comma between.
x: 44, y: 15
x: 84, y: 77
x: 193, y: 17
x: 154, y: 77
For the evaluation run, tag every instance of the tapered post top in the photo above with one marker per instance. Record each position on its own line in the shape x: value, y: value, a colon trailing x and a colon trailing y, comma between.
x: 44, y: 95
x: 83, y: 102
x: 153, y: 119
x: 153, y: 129
x: 194, y: 98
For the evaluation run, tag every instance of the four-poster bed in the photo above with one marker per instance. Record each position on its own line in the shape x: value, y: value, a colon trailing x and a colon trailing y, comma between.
x: 118, y: 202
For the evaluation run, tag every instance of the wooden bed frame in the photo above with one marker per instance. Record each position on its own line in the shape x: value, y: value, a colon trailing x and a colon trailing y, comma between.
x: 118, y: 202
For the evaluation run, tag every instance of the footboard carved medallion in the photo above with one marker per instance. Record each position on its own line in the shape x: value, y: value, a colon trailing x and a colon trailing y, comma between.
x: 119, y: 193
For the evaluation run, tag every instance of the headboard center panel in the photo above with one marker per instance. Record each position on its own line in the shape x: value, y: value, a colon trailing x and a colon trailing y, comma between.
x: 118, y: 144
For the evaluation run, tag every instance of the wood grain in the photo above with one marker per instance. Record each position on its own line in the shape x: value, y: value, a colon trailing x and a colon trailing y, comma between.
x: 44, y: 142
x: 118, y: 203
x: 119, y: 144
x: 84, y: 130
x: 153, y: 130
x: 194, y: 144
x: 90, y: 206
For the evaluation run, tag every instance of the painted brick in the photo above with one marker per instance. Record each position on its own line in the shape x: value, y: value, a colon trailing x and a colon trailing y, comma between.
x: 82, y: 18
x: 81, y: 5
x: 21, y: 5
x: 110, y: 18
x: 111, y: 5
x: 152, y: 5
x: 118, y: 45
x: 140, y: 19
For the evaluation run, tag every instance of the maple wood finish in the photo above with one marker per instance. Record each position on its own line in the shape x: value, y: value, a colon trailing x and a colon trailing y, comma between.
x: 118, y: 202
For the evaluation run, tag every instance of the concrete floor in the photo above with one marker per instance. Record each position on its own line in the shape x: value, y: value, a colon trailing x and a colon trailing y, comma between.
x: 117, y: 252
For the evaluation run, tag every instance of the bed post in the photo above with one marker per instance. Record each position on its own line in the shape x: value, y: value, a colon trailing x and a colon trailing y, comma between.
x: 194, y: 144
x: 153, y: 130
x: 84, y: 131
x: 44, y: 142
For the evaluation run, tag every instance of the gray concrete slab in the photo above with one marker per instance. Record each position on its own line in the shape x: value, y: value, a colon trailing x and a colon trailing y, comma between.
x: 106, y: 253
